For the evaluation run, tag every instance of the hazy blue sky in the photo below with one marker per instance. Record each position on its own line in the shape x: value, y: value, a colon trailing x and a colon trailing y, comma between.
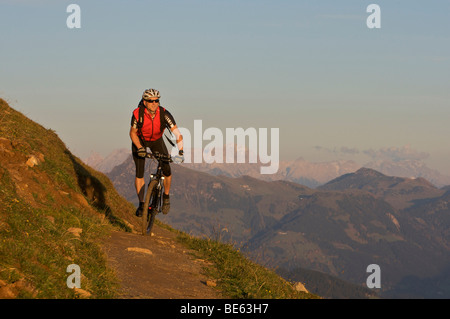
x: 334, y: 87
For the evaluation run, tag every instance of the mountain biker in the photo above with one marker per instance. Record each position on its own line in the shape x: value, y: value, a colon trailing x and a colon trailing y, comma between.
x: 147, y: 130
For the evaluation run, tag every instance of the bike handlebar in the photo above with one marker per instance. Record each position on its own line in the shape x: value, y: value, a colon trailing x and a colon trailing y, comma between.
x: 164, y: 158
x: 159, y: 157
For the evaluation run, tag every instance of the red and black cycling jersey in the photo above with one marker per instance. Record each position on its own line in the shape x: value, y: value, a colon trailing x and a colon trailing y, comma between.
x: 152, y: 128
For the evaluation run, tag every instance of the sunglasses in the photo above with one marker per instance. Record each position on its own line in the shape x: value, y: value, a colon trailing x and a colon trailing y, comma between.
x: 153, y: 101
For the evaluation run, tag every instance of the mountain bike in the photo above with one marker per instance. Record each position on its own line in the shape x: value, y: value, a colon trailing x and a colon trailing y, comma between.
x: 153, y: 197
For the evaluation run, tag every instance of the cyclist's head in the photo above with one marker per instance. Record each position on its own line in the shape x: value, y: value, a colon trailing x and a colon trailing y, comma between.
x: 151, y: 94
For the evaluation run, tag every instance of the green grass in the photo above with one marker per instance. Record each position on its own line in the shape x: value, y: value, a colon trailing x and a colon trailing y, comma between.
x: 35, y: 244
x: 238, y: 277
x: 36, y: 247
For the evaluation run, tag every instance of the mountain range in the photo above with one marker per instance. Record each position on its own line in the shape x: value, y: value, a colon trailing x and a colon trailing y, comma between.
x: 357, y: 219
x: 311, y: 174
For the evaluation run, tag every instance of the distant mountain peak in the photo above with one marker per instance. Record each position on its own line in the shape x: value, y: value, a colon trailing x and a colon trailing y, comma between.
x: 364, y: 171
x: 106, y: 164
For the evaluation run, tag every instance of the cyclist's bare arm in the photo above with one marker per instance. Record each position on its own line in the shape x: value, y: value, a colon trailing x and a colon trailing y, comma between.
x: 178, y: 136
x: 134, y: 137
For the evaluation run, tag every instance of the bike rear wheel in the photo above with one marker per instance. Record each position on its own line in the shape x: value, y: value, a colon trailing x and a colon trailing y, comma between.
x: 148, y: 216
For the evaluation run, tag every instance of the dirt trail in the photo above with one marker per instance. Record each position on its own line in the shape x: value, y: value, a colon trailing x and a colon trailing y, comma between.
x: 156, y: 267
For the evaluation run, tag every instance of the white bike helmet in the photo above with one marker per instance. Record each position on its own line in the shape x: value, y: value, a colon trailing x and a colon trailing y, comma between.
x: 150, y: 93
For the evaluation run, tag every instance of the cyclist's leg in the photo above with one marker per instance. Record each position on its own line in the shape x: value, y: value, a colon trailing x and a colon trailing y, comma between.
x: 139, y: 181
x: 160, y: 147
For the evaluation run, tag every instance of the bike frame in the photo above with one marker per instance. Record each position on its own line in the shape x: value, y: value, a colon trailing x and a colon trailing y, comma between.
x: 154, y: 200
x: 153, y: 196
x: 159, y: 187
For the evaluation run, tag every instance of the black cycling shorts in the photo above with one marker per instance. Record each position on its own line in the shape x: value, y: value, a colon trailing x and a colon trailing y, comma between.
x: 155, y: 146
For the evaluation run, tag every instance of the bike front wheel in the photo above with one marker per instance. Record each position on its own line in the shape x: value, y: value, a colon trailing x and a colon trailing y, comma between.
x: 149, y: 214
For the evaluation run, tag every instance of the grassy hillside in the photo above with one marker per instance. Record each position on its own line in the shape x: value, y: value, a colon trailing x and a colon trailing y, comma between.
x: 237, y: 276
x: 55, y: 211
